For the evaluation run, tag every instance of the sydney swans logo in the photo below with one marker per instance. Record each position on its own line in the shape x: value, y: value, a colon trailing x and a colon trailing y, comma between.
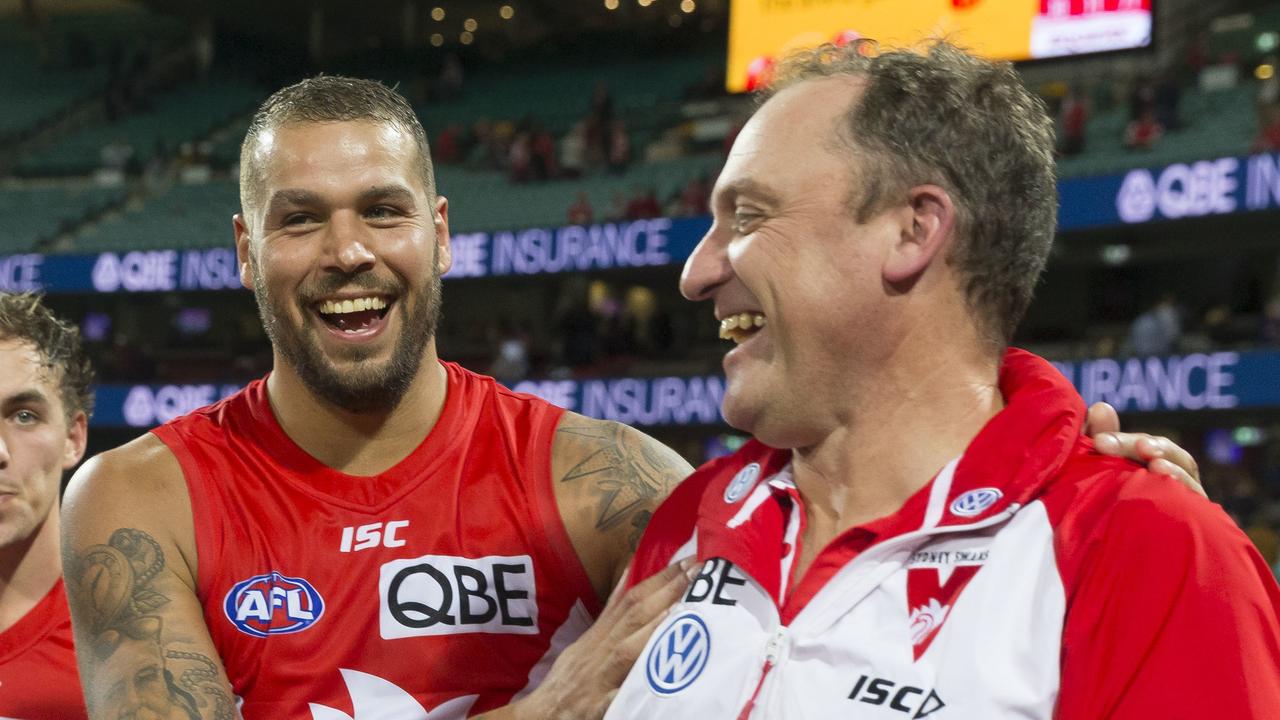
x: 373, y: 698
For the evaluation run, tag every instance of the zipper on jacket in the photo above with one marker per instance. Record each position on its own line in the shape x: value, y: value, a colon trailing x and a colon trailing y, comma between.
x: 772, y: 653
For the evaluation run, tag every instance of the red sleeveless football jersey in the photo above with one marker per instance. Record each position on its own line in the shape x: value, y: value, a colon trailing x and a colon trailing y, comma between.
x: 38, y: 677
x: 442, y: 588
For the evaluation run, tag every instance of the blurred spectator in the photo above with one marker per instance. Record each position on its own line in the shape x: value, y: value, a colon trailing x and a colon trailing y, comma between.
x: 1166, y: 99
x: 599, y: 125
x: 452, y: 77
x: 447, y: 148
x: 1268, y: 139
x: 644, y: 205
x: 1270, y: 331
x: 695, y: 197
x: 1156, y: 331
x: 1142, y: 99
x: 1143, y: 133
x: 573, y: 151
x: 619, y: 155
x: 617, y: 208
x: 1268, y: 96
x: 1073, y: 116
x: 542, y: 150
x: 581, y: 212
x: 512, y: 362
x: 575, y: 325
x: 520, y: 158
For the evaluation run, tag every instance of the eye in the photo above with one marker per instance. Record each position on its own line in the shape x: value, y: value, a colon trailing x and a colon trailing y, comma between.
x: 26, y: 417
x: 744, y: 221
x: 298, y: 219
x: 382, y: 212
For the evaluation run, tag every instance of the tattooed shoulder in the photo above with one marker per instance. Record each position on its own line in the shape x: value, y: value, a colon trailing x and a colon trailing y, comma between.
x: 625, y: 472
x: 119, y: 594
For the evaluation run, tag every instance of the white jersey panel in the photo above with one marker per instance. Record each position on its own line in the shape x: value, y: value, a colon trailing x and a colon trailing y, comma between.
x: 983, y: 610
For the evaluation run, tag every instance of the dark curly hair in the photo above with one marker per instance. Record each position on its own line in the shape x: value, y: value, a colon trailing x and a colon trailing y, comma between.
x: 24, y: 317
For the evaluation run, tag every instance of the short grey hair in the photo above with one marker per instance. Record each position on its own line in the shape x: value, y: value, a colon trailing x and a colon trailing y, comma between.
x: 940, y: 115
x: 329, y: 98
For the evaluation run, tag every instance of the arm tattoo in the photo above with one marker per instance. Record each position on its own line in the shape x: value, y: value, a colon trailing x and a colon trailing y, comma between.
x: 114, y: 587
x: 630, y: 474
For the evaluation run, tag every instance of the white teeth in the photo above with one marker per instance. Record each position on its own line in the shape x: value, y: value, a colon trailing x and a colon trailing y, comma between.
x: 335, y: 307
x: 740, y: 326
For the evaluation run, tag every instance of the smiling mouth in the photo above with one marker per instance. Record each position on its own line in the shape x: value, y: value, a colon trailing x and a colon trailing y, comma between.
x: 741, y: 326
x: 353, y: 315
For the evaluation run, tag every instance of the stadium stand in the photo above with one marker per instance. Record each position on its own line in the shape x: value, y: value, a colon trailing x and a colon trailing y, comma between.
x: 45, y: 69
x: 189, y: 112
x: 31, y: 216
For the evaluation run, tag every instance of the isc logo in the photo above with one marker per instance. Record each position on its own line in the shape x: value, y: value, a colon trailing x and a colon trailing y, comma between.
x: 912, y: 701
x: 273, y: 604
x: 448, y: 595
x: 363, y: 537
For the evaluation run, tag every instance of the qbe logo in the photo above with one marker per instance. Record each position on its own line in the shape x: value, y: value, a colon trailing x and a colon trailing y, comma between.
x: 449, y: 595
x: 273, y: 604
x: 679, y: 655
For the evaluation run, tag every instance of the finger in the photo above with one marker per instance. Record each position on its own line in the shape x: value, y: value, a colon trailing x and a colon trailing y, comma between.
x: 1164, y: 467
x: 1176, y: 455
x: 620, y: 586
x: 646, y: 601
x: 1101, y: 418
x: 1138, y: 447
x: 627, y: 651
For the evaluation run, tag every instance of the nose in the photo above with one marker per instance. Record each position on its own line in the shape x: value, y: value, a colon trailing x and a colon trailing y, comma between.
x: 707, y: 268
x: 4, y: 452
x: 348, y: 244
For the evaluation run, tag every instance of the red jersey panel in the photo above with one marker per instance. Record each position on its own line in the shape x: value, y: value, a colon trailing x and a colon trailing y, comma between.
x: 38, y: 677
x: 442, y: 588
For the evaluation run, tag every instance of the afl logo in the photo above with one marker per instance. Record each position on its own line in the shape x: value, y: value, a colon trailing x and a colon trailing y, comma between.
x: 975, y: 502
x: 741, y: 483
x: 679, y: 655
x: 273, y: 604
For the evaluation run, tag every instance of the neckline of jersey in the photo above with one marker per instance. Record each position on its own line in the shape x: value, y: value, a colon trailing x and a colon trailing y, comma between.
x: 364, y: 492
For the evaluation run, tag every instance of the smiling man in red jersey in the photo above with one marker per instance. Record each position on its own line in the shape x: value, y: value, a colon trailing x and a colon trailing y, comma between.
x: 919, y: 529
x: 45, y: 402
x: 369, y: 532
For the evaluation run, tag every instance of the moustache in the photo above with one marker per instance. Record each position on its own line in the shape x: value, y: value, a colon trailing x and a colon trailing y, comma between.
x: 334, y: 284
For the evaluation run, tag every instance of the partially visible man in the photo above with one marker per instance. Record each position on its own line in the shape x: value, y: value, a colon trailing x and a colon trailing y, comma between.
x: 919, y: 529
x: 45, y: 403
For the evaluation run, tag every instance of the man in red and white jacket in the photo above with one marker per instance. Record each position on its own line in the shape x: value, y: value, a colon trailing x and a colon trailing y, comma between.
x: 918, y: 529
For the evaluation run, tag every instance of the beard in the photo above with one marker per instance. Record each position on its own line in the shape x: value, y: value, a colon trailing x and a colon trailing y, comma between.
x: 360, y: 384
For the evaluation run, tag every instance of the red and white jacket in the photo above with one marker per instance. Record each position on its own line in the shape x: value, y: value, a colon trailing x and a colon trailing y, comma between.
x: 1031, y: 578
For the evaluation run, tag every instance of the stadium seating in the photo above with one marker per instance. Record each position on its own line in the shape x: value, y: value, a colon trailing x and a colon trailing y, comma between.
x: 29, y: 215
x: 33, y: 90
x: 189, y: 112
x: 186, y: 216
x: 1216, y: 124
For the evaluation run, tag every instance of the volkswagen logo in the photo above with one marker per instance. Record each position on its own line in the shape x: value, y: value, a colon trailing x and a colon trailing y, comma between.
x: 679, y: 655
x: 975, y: 502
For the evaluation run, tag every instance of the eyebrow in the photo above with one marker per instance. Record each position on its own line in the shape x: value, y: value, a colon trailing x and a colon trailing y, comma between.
x: 297, y: 197
x: 25, y: 397
x: 387, y: 192
x: 751, y: 188
x: 292, y: 196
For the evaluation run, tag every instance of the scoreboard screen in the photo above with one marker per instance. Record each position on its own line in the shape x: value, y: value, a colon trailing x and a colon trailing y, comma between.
x: 763, y: 31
